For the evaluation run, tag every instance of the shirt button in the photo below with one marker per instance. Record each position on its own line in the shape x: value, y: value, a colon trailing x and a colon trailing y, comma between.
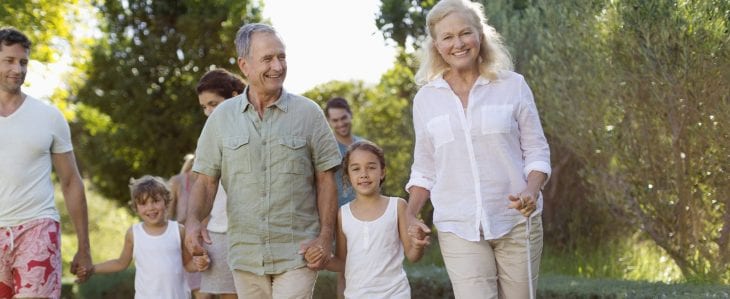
x: 263, y: 142
x: 263, y: 168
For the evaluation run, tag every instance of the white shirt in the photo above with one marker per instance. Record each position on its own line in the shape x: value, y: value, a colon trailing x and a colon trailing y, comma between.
x: 158, y: 264
x: 28, y: 138
x: 218, y: 222
x: 471, y: 160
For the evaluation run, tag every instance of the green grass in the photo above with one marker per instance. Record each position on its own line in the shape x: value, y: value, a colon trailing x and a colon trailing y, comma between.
x: 108, y: 223
x: 633, y: 259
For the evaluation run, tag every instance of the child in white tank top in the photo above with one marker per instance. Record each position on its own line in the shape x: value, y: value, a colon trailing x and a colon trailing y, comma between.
x: 372, y: 234
x: 156, y: 245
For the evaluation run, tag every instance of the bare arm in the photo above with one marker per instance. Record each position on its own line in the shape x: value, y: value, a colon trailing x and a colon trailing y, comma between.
x: 337, y: 263
x: 327, y: 202
x: 121, y: 263
x: 191, y: 264
x: 183, y: 200
x: 416, y: 200
x: 199, y: 205
x: 327, y: 206
x: 73, y: 192
x: 413, y: 246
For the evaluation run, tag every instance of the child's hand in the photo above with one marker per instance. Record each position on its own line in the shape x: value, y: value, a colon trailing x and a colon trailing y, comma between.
x: 314, y: 254
x: 202, y: 262
x: 83, y: 273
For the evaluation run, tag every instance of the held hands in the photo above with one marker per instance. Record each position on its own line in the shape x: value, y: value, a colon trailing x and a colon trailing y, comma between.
x: 317, y: 252
x: 314, y: 255
x: 525, y: 202
x: 83, y: 273
x: 194, y: 238
x: 418, y: 233
x: 202, y: 262
x: 81, y: 266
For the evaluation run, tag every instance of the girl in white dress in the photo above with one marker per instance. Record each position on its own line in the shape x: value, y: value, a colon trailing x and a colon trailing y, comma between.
x: 156, y: 245
x: 372, y: 234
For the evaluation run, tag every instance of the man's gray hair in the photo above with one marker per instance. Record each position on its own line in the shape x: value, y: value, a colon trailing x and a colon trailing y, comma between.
x: 243, y: 37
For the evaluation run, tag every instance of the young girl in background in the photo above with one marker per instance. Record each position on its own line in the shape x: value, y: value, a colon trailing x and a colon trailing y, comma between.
x: 372, y: 234
x: 156, y: 245
x: 180, y: 185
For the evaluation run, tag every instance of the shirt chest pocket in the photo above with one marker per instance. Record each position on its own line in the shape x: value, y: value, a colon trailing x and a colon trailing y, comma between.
x: 496, y: 119
x: 236, y: 153
x: 291, y: 155
x: 440, y: 129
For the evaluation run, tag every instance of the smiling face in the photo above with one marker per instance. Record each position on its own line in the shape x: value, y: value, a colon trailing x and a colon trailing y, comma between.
x: 340, y: 120
x: 457, y: 41
x: 365, y: 172
x: 152, y: 209
x: 265, y: 65
x: 13, y: 67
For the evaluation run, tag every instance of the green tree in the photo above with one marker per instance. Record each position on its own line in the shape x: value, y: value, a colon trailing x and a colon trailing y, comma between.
x: 42, y: 21
x: 56, y: 28
x: 646, y: 122
x: 403, y: 21
x: 138, y: 108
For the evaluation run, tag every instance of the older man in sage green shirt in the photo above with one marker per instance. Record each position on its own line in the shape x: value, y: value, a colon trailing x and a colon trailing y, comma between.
x: 275, y: 156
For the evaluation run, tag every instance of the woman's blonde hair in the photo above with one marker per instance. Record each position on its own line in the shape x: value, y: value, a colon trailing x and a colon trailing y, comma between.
x: 493, y: 54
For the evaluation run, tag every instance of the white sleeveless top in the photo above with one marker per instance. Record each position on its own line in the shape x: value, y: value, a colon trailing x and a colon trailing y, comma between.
x: 159, y: 265
x: 374, y: 264
x: 218, y: 222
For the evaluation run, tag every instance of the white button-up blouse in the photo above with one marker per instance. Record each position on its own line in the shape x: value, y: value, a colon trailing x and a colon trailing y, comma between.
x: 471, y: 160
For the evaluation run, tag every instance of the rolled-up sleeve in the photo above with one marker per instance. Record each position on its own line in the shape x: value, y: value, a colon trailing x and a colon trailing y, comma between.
x: 208, y: 154
x: 423, y: 170
x: 326, y: 154
x: 535, y: 149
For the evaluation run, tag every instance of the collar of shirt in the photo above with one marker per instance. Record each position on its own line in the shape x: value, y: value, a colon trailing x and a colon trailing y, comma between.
x: 282, y: 102
x: 440, y: 82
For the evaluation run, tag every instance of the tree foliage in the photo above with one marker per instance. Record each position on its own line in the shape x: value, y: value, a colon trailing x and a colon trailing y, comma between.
x: 647, y: 122
x: 138, y: 108
x: 56, y: 28
x: 42, y: 21
x: 403, y: 21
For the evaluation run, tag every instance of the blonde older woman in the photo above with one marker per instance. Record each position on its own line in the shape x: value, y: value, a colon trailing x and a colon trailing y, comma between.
x: 480, y: 156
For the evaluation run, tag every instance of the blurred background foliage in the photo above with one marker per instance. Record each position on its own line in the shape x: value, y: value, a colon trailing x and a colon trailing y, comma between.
x: 633, y: 95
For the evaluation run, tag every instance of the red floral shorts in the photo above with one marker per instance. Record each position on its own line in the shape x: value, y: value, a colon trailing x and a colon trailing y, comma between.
x: 30, y: 259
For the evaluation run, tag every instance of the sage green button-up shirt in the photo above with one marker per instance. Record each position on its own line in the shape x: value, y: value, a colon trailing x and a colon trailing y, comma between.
x: 267, y: 166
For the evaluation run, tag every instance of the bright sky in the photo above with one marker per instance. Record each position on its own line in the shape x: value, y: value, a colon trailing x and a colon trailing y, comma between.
x: 330, y: 40
x: 325, y: 40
